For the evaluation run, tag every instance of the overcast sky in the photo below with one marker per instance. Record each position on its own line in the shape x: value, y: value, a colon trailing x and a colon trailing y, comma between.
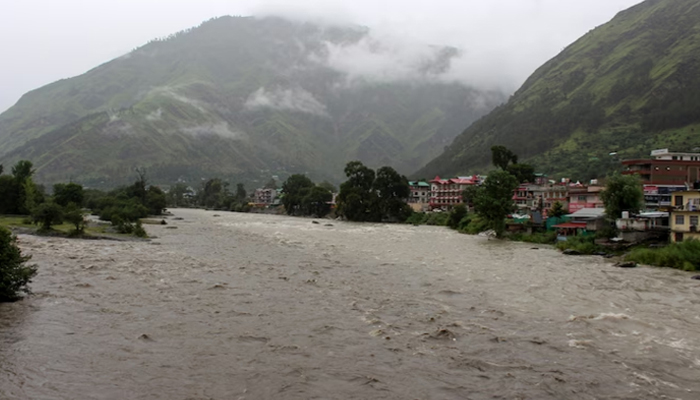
x: 42, y: 41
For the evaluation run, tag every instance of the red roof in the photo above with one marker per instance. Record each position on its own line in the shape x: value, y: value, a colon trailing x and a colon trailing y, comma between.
x: 573, y: 225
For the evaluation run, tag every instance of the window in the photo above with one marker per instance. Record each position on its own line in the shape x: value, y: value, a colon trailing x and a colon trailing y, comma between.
x: 693, y: 220
x: 582, y: 198
x: 678, y: 201
x: 680, y: 219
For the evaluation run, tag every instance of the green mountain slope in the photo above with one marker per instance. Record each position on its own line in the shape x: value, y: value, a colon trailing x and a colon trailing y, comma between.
x: 626, y: 87
x: 243, y: 98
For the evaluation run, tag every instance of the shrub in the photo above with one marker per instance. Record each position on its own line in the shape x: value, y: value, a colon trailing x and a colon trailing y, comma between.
x: 74, y: 214
x: 582, y: 244
x: 536, y: 238
x: 456, y: 215
x: 473, y: 225
x: 14, y: 274
x: 684, y: 255
x: 47, y: 214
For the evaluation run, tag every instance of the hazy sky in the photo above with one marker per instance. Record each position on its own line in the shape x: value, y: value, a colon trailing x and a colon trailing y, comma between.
x: 504, y: 41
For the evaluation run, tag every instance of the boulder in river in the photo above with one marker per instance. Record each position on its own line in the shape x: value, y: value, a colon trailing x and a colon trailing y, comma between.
x: 572, y: 252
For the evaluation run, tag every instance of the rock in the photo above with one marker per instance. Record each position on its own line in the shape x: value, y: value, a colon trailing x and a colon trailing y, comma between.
x: 314, y: 222
x: 328, y: 225
x: 629, y: 264
x: 696, y: 277
x: 572, y: 252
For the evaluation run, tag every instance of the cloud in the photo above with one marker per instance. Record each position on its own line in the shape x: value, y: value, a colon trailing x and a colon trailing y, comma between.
x: 293, y: 99
x: 386, y: 59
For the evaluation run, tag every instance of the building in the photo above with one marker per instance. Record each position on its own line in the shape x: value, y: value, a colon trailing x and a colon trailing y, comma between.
x: 664, y: 174
x: 529, y: 196
x: 685, y: 216
x: 556, y: 193
x: 419, y: 197
x: 446, y: 193
x: 265, y: 196
x: 582, y: 196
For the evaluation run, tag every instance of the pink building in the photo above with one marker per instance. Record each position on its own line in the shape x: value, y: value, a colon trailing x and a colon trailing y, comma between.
x: 446, y: 193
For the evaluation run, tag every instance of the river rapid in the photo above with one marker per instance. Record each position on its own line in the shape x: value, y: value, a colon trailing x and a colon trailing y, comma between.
x: 243, y: 306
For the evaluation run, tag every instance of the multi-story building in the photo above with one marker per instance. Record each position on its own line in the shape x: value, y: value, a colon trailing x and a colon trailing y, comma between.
x: 446, y: 193
x: 685, y: 216
x: 663, y: 174
x: 419, y: 197
x: 584, y: 196
x: 556, y: 193
x: 529, y: 196
x: 265, y: 196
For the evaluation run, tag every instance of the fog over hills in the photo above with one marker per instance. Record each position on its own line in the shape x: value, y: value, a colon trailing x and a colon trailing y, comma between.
x: 246, y: 98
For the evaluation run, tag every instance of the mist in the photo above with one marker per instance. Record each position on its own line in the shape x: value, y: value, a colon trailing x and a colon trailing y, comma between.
x: 496, y: 44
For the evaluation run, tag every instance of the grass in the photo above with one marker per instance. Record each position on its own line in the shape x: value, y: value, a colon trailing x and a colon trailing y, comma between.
x: 684, y: 256
x: 100, y: 230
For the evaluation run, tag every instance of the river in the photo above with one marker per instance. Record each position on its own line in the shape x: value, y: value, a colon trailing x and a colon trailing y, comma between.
x: 242, y: 306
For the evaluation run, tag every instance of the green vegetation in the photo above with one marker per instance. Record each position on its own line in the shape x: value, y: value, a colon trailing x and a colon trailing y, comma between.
x: 300, y: 196
x: 15, y: 275
x: 373, y: 197
x: 623, y: 89
x: 622, y: 193
x: 582, y: 244
x: 684, y: 255
x: 493, y: 201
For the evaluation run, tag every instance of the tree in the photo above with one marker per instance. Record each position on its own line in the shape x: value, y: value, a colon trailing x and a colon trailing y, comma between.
x: 493, y: 201
x: 557, y: 210
x: 622, y: 193
x: 501, y: 157
x: 24, y: 197
x: 75, y: 215
x: 328, y: 186
x: 241, y: 193
x: 47, y: 214
x: 392, y: 191
x: 214, y: 194
x: 295, y: 188
x: 457, y: 213
x: 155, y: 200
x: 8, y: 195
x: 316, y: 202
x: 178, y: 195
x: 65, y: 193
x: 357, y: 200
x: 522, y: 172
x: 15, y: 275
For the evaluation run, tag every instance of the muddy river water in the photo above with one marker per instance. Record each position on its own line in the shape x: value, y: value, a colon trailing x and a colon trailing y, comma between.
x: 241, y: 306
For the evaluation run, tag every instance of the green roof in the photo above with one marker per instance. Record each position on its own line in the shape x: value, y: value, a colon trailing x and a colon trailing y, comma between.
x: 421, y: 183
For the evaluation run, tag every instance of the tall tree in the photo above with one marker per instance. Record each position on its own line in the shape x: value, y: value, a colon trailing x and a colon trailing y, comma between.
x: 501, y: 157
x: 22, y: 174
x: 392, y: 192
x: 65, y: 193
x: 15, y: 275
x: 316, y: 202
x: 622, y: 193
x: 294, y: 189
x: 357, y: 200
x: 493, y: 201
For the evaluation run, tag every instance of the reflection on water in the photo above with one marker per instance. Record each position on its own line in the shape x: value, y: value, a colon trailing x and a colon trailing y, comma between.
x: 249, y: 307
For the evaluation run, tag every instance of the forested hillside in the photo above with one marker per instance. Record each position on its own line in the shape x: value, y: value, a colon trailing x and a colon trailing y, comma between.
x: 626, y: 87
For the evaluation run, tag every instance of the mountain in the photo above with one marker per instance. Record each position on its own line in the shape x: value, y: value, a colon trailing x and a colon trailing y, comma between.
x: 243, y: 98
x: 622, y: 90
